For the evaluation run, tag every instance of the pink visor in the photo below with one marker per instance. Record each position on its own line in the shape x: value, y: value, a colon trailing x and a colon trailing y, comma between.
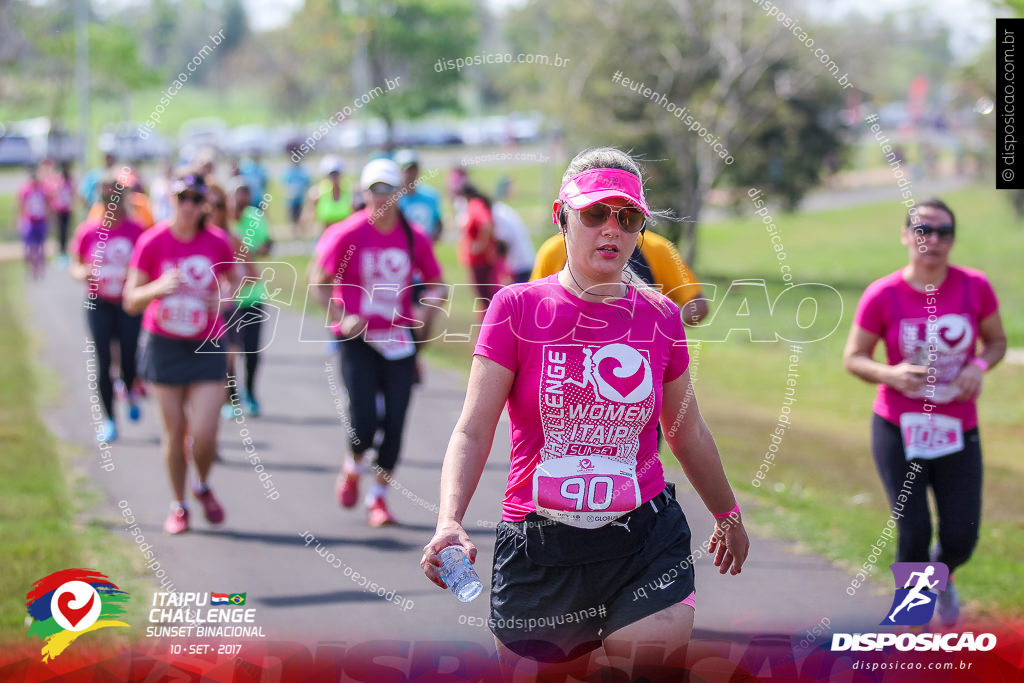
x: 598, y: 184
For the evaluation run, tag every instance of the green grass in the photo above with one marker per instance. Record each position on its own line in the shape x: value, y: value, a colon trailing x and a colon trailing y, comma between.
x: 44, y: 527
x: 8, y: 225
x: 823, y: 490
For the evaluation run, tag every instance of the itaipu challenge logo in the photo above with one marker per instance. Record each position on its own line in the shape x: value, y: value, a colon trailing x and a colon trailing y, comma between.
x: 69, y: 603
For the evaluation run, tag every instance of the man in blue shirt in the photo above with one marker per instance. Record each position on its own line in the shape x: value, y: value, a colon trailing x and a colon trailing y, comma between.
x: 89, y: 187
x: 420, y: 203
x: 296, y: 183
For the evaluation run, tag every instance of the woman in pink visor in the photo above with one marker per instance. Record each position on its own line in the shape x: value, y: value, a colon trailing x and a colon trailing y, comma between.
x: 593, y: 548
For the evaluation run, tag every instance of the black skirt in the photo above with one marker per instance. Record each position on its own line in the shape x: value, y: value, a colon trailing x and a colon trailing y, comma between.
x: 165, y: 360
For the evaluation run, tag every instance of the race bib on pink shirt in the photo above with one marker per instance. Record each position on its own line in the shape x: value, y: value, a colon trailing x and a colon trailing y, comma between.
x: 585, y: 492
x: 113, y: 267
x: 930, y: 436
x: 595, y: 401
x: 185, y: 312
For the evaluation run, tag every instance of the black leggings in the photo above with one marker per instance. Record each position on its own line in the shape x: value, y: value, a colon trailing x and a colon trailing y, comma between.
x: 107, y: 322
x: 955, y: 481
x: 365, y: 372
x: 63, y: 223
x: 248, y: 337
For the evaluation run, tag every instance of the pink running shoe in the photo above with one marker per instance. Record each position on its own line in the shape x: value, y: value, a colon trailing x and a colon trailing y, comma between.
x: 211, y: 506
x: 346, y: 489
x: 177, y: 521
x: 380, y: 515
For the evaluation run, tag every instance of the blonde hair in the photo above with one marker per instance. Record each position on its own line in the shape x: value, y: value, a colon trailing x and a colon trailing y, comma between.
x: 612, y: 157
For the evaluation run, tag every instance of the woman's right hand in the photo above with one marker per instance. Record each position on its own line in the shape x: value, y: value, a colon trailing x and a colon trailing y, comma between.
x: 450, y: 533
x: 351, y: 325
x: 906, y: 378
x: 167, y: 283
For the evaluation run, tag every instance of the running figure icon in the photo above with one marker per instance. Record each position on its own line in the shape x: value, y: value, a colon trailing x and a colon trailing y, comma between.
x: 588, y: 375
x: 915, y: 598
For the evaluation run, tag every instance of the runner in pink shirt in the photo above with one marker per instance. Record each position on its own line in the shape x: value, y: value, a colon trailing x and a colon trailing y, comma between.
x: 62, y: 198
x: 366, y: 266
x: 930, y: 315
x: 102, y: 252
x: 33, y: 206
x: 176, y: 274
x: 593, y: 548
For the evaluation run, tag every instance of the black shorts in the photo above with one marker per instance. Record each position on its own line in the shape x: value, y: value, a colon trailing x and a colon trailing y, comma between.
x: 555, y: 613
x: 164, y: 360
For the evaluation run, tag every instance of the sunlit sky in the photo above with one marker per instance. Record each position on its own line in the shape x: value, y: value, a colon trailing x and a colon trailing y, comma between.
x: 972, y: 19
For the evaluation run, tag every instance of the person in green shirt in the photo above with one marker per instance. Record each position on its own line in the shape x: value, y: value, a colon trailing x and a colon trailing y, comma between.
x: 245, y: 322
x: 329, y: 201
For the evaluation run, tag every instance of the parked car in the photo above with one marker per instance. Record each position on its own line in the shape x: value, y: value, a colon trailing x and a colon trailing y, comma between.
x: 47, y: 139
x: 250, y: 139
x: 15, y: 150
x: 196, y: 134
x: 125, y: 141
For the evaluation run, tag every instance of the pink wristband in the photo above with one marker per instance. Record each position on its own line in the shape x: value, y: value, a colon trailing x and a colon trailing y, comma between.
x: 725, y: 515
x: 980, y: 362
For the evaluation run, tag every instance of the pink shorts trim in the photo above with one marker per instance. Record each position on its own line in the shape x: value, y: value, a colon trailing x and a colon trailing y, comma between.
x: 689, y: 600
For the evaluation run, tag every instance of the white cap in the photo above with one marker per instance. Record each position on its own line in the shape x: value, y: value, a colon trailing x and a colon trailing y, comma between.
x: 406, y: 157
x: 380, y: 171
x: 330, y: 164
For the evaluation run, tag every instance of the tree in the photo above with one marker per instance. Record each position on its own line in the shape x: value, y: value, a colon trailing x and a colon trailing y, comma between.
x: 407, y: 41
x: 722, y: 68
x: 307, y: 65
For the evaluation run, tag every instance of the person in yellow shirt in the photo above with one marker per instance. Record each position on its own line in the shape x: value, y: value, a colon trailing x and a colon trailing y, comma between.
x: 655, y: 261
x: 139, y: 208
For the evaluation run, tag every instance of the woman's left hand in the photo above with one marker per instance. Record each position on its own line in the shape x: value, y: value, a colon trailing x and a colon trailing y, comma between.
x: 968, y: 382
x: 731, y: 542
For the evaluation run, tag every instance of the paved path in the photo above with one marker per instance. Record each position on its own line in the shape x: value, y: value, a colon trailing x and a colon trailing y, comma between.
x: 300, y: 439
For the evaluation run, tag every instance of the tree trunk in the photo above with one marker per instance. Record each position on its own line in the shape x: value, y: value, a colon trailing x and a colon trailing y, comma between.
x: 694, y: 203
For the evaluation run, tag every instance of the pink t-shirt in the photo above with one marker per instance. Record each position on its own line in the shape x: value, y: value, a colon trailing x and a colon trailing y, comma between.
x: 902, y: 316
x: 33, y: 201
x: 108, y: 264
x: 372, y: 273
x: 184, y: 314
x: 588, y: 379
x: 62, y: 193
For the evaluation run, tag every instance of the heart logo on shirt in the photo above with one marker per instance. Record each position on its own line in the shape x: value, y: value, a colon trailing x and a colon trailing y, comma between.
x: 612, y: 371
x: 622, y: 373
x: 197, y: 271
x: 951, y: 342
x: 954, y: 330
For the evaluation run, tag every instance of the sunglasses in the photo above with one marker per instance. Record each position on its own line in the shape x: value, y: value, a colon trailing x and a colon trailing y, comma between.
x: 193, y: 197
x: 218, y: 205
x: 380, y: 189
x: 630, y: 219
x: 945, y: 232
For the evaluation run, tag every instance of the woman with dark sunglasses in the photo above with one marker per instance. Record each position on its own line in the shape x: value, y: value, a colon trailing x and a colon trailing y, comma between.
x: 175, y: 278
x: 102, y: 251
x: 930, y: 315
x: 593, y: 549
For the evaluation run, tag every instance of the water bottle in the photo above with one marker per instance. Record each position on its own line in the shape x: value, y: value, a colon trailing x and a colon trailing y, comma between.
x: 459, y: 574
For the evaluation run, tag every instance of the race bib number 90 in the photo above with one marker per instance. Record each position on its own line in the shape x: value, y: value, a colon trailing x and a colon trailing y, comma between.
x: 585, y: 492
